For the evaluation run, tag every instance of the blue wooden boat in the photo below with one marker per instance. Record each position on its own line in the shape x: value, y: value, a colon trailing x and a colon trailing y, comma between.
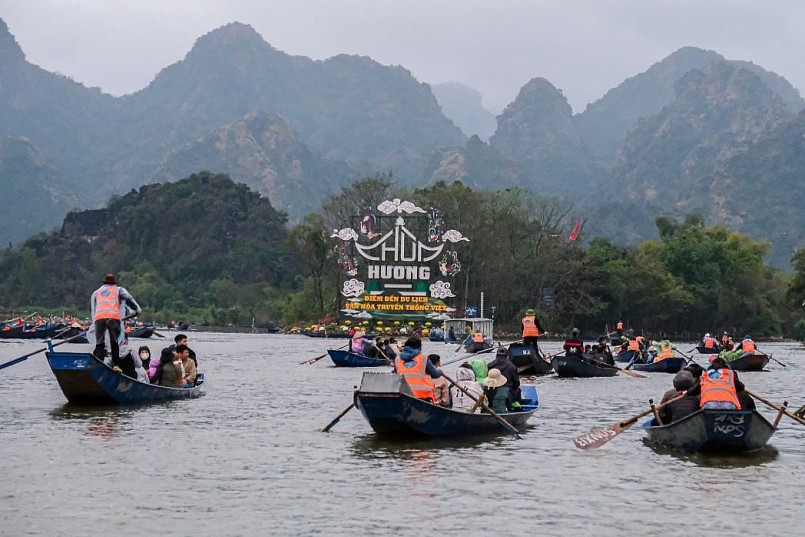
x: 625, y: 357
x: 41, y: 331
x: 669, y: 365
x: 527, y: 361
x: 86, y: 380
x: 351, y: 359
x: 569, y: 365
x: 386, y: 401
x: 719, y: 431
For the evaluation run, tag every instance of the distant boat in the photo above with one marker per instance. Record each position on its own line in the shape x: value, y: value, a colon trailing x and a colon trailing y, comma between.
x: 749, y: 361
x: 86, y: 380
x: 668, y: 365
x: 141, y: 331
x: 717, y: 431
x: 387, y: 403
x: 350, y: 359
x: 322, y: 333
x: 704, y: 350
x: 569, y: 365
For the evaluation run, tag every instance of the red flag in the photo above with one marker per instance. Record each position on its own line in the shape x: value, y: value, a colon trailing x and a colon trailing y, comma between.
x: 575, y: 233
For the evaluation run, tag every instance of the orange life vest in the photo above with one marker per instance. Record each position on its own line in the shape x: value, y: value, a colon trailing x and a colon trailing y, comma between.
x: 478, y: 337
x: 748, y: 345
x: 620, y: 325
x: 666, y: 351
x: 709, y: 343
x: 721, y: 389
x: 634, y: 345
x: 420, y: 382
x: 107, y: 302
x: 530, y: 326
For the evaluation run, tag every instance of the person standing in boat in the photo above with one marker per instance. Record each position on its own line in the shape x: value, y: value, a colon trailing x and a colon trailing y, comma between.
x: 531, y: 329
x: 106, y: 304
x: 451, y: 335
x: 417, y: 370
x: 709, y: 342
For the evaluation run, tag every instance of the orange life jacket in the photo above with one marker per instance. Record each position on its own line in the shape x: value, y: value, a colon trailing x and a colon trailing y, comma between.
x: 748, y: 345
x: 530, y: 326
x: 666, y: 351
x: 420, y: 382
x: 721, y: 389
x: 478, y: 337
x: 620, y: 325
x: 709, y: 343
x: 634, y: 345
x: 107, y: 302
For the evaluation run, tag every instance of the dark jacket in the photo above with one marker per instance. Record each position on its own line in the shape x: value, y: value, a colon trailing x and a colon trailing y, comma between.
x: 508, y: 370
x: 679, y: 409
x: 498, y: 399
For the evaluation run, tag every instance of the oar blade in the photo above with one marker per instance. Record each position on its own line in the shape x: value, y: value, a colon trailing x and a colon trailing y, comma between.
x: 600, y: 435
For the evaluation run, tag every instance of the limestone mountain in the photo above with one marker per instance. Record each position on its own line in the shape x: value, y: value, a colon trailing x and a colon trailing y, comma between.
x: 263, y: 151
x: 669, y: 163
x: 537, y: 130
x: 462, y: 104
x: 477, y: 165
x: 34, y: 195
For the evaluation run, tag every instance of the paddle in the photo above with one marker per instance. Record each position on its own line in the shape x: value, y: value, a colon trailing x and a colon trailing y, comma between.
x: 601, y: 435
x: 634, y: 374
x: 465, y: 356
x: 778, y: 408
x: 771, y: 357
x: 462, y: 343
x: 505, y: 424
x: 689, y: 358
x: 338, y: 418
x: 317, y: 358
x: 26, y: 356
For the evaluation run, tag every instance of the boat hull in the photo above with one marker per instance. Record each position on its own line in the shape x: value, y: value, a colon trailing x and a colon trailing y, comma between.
x: 86, y: 380
x: 625, y: 357
x: 721, y: 431
x: 350, y: 359
x: 143, y: 332
x: 574, y: 367
x: 703, y: 350
x: 669, y: 365
x: 526, y: 359
x: 749, y: 362
x: 386, y: 402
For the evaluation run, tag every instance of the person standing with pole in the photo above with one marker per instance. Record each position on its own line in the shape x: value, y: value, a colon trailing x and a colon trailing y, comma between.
x: 532, y: 329
x: 105, y: 305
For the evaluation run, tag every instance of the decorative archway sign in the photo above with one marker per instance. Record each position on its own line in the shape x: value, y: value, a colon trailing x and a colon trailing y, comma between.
x: 399, y: 263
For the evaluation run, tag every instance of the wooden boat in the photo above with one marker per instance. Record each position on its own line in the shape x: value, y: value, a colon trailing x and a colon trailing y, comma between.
x: 720, y: 431
x: 625, y: 357
x: 322, y: 333
x: 569, y: 365
x: 749, y: 361
x: 386, y: 401
x: 350, y: 359
x: 669, y: 365
x: 86, y: 380
x: 42, y: 331
x: 469, y: 326
x: 141, y: 332
x: 76, y: 335
x: 703, y: 350
x: 527, y: 361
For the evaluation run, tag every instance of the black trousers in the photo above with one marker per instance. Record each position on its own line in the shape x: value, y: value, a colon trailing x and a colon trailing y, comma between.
x: 532, y: 340
x: 113, y: 327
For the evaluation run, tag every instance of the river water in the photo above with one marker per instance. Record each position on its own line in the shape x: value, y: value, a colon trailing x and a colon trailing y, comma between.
x: 248, y: 458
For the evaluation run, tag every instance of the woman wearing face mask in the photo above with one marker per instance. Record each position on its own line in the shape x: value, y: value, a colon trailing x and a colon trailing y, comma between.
x: 145, y: 357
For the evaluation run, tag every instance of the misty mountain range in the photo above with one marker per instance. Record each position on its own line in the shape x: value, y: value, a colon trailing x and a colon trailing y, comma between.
x: 693, y: 133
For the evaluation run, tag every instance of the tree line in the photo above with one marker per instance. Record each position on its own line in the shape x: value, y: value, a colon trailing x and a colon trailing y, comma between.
x: 213, y: 251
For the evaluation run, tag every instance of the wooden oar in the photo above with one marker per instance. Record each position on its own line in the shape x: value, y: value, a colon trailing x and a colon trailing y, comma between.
x: 625, y: 371
x: 26, y: 356
x: 776, y: 360
x: 338, y: 418
x: 601, y: 435
x: 462, y: 343
x: 317, y: 358
x: 778, y: 408
x: 689, y: 358
x: 506, y: 425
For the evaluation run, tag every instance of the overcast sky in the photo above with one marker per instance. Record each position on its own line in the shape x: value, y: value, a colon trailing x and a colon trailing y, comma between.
x: 583, y: 47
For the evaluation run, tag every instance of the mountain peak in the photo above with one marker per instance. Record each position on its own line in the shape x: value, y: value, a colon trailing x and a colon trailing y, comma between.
x: 233, y: 35
x: 9, y: 48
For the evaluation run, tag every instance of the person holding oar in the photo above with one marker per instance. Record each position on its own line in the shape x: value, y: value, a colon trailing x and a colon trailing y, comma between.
x: 532, y: 329
x: 106, y: 304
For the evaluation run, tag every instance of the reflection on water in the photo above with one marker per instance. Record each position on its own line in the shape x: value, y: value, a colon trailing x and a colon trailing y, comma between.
x: 249, y: 459
x: 715, y: 460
